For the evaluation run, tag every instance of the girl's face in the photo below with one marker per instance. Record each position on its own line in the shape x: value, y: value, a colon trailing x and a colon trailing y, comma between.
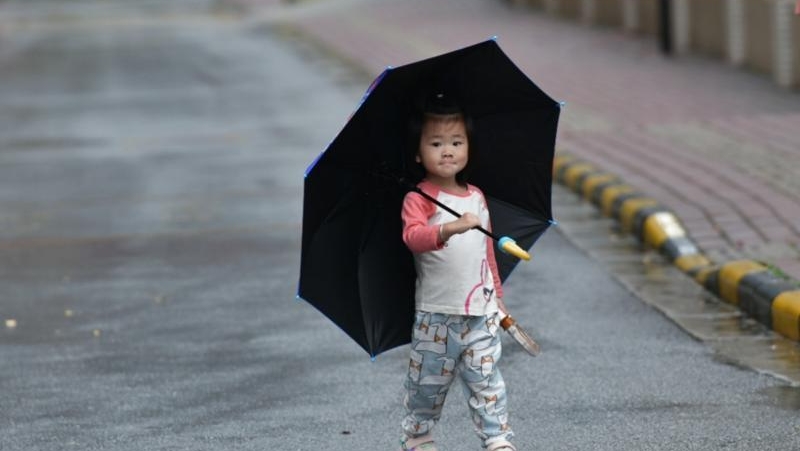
x: 443, y: 148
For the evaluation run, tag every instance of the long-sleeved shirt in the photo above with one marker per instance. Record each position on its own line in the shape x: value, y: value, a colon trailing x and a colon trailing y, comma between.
x: 458, y: 277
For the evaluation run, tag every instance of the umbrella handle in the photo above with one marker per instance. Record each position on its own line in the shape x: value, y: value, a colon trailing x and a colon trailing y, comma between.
x: 509, y: 246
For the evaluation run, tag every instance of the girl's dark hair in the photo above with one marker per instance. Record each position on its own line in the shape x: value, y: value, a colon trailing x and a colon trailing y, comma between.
x: 437, y: 105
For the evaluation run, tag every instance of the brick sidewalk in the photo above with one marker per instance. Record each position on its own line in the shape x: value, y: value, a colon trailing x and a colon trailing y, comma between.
x: 718, y: 146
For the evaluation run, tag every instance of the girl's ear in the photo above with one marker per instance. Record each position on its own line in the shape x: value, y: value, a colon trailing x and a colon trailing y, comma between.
x: 418, y: 159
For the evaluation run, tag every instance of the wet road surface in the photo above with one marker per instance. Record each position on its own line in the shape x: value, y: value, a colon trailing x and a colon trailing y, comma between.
x: 151, y: 165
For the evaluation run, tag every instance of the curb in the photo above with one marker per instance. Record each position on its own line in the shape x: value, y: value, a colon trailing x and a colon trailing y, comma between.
x: 747, y: 284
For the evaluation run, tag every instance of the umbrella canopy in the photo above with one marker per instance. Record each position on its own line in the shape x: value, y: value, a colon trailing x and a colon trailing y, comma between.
x: 355, y: 267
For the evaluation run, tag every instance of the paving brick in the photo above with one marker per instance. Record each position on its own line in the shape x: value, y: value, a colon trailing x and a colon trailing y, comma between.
x: 719, y: 146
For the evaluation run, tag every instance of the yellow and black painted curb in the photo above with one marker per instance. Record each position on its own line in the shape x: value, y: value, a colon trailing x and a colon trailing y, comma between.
x: 748, y: 284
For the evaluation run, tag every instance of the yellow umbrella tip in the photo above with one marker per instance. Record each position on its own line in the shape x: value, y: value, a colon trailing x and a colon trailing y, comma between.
x: 510, y: 247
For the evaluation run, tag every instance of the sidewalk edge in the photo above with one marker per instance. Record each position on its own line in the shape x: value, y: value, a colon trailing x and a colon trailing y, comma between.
x: 748, y: 284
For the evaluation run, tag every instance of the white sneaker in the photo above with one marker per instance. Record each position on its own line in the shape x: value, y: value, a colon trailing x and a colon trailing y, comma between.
x: 423, y: 443
x: 502, y: 445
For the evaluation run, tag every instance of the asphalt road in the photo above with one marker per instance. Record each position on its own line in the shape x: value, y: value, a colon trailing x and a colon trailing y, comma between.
x: 151, y: 162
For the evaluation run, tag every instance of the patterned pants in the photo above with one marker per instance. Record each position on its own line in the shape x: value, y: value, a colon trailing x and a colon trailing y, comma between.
x: 442, y: 347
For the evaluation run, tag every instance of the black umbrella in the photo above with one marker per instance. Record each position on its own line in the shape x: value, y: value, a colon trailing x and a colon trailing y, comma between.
x: 354, y: 266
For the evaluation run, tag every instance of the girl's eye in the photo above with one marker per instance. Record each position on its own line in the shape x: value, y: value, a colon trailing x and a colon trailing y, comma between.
x: 436, y: 144
x: 458, y: 143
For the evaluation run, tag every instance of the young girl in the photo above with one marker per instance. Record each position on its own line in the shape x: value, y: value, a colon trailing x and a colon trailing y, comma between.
x: 458, y: 293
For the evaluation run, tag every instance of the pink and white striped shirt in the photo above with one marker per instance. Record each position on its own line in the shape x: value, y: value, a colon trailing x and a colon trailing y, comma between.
x: 459, y: 277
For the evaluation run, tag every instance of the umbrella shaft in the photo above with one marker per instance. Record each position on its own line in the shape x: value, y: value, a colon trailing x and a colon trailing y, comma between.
x: 454, y: 213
